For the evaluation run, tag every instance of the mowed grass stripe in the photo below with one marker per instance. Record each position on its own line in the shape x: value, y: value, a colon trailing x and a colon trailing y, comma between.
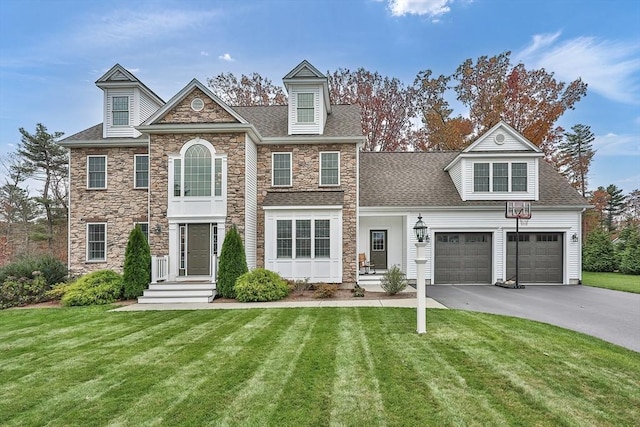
x: 257, y: 400
x: 356, y: 394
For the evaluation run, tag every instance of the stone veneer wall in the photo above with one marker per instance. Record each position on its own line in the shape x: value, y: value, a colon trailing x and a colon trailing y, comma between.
x: 163, y: 145
x: 306, y: 176
x: 120, y: 205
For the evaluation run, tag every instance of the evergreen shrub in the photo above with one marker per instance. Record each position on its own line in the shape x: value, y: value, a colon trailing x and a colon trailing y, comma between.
x: 99, y: 287
x: 598, y: 253
x: 630, y: 256
x: 137, y: 264
x: 325, y: 290
x: 261, y: 285
x: 15, y: 292
x: 233, y: 263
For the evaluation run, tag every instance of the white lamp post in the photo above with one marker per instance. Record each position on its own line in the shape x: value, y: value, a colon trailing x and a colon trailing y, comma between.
x: 421, y: 235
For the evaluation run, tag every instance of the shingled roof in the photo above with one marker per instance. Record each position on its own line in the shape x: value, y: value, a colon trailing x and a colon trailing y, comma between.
x: 94, y: 133
x: 271, y: 121
x: 304, y: 198
x: 407, y: 179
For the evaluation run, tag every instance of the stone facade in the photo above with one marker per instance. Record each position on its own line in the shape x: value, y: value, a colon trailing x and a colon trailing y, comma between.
x: 120, y: 205
x: 211, y: 113
x: 306, y: 177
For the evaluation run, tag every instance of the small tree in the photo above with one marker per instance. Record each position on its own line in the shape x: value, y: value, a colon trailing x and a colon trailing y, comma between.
x: 598, y: 253
x: 137, y: 264
x: 233, y: 263
x: 630, y: 256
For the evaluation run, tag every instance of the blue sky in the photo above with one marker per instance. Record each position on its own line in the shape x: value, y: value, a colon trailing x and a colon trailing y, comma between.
x: 52, y: 52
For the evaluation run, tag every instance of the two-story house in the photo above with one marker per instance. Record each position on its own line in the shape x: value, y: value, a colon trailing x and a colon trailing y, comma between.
x: 304, y: 198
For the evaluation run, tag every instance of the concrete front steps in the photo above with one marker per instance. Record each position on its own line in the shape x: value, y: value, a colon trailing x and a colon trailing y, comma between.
x: 370, y: 279
x: 181, y: 292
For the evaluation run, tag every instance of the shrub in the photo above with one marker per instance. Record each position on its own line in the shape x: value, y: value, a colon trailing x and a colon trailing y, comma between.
x: 15, y: 292
x: 300, y: 285
x: 53, y: 270
x: 137, y: 264
x: 233, y: 263
x: 325, y: 290
x: 358, y: 291
x: 99, y: 287
x: 630, y: 256
x: 598, y: 253
x: 393, y: 281
x: 260, y: 285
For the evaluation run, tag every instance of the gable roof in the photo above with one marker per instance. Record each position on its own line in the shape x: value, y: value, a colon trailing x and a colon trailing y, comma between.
x: 410, y: 179
x: 305, y: 73
x: 118, y: 76
x: 178, y: 97
x: 514, y: 133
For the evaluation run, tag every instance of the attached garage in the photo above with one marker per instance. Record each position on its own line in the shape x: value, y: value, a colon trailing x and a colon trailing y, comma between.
x: 540, y: 257
x: 462, y: 258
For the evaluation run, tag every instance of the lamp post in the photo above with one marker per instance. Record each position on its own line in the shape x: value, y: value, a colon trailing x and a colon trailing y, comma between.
x: 420, y: 230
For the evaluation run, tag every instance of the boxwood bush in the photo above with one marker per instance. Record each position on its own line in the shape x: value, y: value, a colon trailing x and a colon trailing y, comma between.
x: 260, y: 285
x: 99, y: 287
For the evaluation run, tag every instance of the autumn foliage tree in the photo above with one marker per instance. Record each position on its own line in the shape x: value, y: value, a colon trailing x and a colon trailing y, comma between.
x: 386, y: 106
x: 247, y: 91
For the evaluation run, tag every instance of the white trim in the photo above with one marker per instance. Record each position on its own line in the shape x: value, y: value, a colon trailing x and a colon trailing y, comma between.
x: 320, y: 169
x: 297, y: 208
x: 290, y: 154
x: 135, y: 171
x: 105, y: 172
x: 86, y: 242
x: 491, y: 164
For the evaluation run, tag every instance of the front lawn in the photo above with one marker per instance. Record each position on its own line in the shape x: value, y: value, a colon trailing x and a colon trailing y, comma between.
x: 296, y: 367
x: 613, y: 281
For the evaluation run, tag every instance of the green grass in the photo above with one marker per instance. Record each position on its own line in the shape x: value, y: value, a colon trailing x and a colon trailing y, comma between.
x: 613, y: 281
x: 307, y: 367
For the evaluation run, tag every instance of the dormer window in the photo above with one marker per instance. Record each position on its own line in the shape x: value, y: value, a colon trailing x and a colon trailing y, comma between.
x: 499, y: 177
x: 306, y: 111
x: 120, y: 110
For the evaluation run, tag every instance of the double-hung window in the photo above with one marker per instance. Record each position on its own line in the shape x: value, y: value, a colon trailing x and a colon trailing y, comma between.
x: 281, y: 174
x: 120, y: 110
x: 305, y: 108
x: 303, y: 238
x: 97, y: 172
x: 500, y: 177
x: 284, y: 236
x: 322, y: 238
x: 141, y: 171
x: 96, y: 242
x: 330, y: 168
x: 144, y: 227
x: 518, y: 177
x: 480, y: 177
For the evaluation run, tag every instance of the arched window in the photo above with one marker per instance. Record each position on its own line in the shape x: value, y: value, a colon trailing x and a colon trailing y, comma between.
x: 197, y: 171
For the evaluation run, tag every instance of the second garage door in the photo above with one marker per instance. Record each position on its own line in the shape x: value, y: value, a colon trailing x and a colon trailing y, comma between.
x: 540, y: 257
x: 463, y: 258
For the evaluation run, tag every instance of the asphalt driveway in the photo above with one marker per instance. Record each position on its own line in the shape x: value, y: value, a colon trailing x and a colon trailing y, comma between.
x: 610, y: 315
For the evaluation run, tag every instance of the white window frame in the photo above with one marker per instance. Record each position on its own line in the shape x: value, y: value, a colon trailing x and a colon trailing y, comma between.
x: 135, y: 170
x: 509, y: 177
x: 273, y: 169
x: 87, y: 257
x: 106, y: 161
x: 218, y: 175
x: 113, y: 97
x: 293, y: 238
x: 322, y: 153
x: 313, y: 108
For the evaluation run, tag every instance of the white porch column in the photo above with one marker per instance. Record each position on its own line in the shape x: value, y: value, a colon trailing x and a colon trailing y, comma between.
x: 421, y: 293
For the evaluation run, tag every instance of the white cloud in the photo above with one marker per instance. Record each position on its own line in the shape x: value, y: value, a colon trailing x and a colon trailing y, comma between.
x: 203, y: 53
x: 431, y: 8
x: 610, y: 68
x: 226, y: 57
x: 612, y: 144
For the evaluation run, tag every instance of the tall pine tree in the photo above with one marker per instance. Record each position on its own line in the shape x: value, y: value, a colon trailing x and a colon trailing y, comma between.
x: 614, y: 207
x: 576, y: 154
x: 42, y: 159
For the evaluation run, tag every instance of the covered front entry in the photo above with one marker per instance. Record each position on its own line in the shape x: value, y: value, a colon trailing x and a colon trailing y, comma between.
x: 462, y: 258
x: 540, y: 257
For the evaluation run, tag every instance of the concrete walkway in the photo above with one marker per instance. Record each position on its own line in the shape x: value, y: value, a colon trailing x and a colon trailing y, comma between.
x: 354, y: 302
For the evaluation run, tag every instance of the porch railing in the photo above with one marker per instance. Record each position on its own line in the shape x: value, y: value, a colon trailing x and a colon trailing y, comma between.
x: 159, y: 268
